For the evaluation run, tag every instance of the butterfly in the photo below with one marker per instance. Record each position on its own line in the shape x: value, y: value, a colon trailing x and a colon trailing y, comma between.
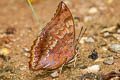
x: 55, y: 45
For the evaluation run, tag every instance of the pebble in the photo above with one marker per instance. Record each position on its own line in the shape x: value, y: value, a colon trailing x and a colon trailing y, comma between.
x: 26, y: 50
x: 109, y: 62
x: 4, y: 51
x: 112, y: 76
x: 82, y: 40
x: 93, y: 10
x: 102, y: 7
x: 83, y: 67
x: 91, y: 76
x: 94, y: 55
x: 109, y: 29
x: 90, y: 40
x: 108, y: 56
x: 4, y: 40
x: 118, y: 31
x: 109, y: 1
x: 24, y: 68
x: 27, y: 54
x: 99, y: 60
x: 10, y: 30
x: 55, y: 74
x: 106, y: 34
x: 93, y: 69
x: 104, y: 48
x: 77, y: 18
x: 87, y: 18
x: 4, y: 54
x: 117, y: 36
x: 117, y: 56
x: 115, y: 48
x: 102, y: 43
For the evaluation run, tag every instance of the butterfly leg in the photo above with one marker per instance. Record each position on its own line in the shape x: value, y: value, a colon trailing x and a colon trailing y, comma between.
x: 61, y: 68
x: 75, y: 57
x: 63, y: 65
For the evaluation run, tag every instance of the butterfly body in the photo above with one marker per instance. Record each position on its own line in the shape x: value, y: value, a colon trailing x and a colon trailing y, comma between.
x: 56, y: 44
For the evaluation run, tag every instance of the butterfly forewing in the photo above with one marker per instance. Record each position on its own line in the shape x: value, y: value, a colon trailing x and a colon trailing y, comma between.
x: 55, y: 45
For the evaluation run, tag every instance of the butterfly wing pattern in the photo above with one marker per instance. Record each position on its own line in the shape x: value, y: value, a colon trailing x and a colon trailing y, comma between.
x: 55, y: 45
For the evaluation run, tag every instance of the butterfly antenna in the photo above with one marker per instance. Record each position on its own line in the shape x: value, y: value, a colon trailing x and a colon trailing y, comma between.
x: 81, y: 34
x: 35, y: 15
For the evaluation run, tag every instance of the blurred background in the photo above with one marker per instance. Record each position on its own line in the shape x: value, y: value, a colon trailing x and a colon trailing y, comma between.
x: 19, y: 28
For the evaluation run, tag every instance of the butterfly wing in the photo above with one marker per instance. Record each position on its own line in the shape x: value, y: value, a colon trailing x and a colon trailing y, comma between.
x: 55, y: 45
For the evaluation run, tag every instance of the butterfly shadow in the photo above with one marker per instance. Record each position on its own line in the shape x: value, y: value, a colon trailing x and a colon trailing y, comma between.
x: 42, y: 75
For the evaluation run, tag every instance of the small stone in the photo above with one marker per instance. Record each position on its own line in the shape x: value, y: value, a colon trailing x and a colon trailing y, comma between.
x: 117, y: 36
x: 10, y: 30
x: 106, y: 34
x: 102, y: 43
x: 82, y: 40
x: 102, y: 7
x: 4, y: 54
x: 109, y: 29
x: 26, y: 50
x: 94, y: 55
x: 87, y: 18
x: 4, y: 51
x: 27, y: 54
x: 108, y: 56
x: 115, y: 48
x: 77, y: 18
x: 109, y: 1
x: 88, y: 76
x: 24, y: 68
x: 91, y: 76
x: 55, y: 74
x: 83, y: 67
x: 112, y: 76
x: 109, y: 62
x: 93, y: 69
x: 104, y: 48
x: 4, y: 40
x: 118, y: 31
x: 90, y: 40
x: 99, y: 60
x: 117, y: 56
x: 93, y: 10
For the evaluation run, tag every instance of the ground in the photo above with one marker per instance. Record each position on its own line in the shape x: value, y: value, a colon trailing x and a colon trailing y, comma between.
x: 96, y: 15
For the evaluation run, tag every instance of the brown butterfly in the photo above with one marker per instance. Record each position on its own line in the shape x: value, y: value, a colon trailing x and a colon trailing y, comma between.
x: 56, y: 44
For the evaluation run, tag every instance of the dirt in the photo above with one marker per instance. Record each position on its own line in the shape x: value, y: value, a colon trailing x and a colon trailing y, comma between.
x: 19, y: 28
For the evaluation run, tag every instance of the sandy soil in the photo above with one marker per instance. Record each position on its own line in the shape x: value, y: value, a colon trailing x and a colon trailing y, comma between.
x: 17, y: 16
